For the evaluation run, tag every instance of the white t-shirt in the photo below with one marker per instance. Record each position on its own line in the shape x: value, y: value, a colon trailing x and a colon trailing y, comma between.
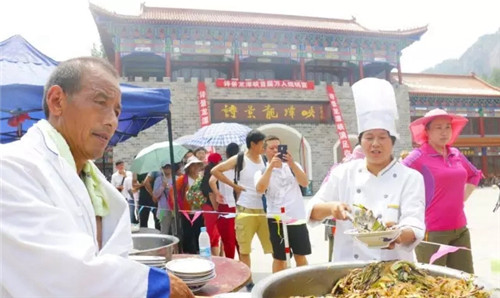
x: 284, y: 191
x: 227, y: 191
x: 250, y: 198
x: 117, y: 179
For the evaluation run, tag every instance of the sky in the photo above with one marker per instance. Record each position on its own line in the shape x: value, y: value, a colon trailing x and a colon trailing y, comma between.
x: 63, y: 29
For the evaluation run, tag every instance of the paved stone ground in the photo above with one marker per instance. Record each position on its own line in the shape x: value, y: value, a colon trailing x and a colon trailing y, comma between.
x: 484, y: 226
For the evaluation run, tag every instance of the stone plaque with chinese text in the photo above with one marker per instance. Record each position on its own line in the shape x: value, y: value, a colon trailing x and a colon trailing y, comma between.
x: 268, y: 111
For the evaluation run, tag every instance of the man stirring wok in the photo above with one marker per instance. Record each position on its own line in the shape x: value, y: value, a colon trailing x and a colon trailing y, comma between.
x: 393, y: 192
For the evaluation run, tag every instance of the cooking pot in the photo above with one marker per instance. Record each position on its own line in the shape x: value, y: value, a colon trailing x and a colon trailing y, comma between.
x: 319, y: 280
x: 154, y: 245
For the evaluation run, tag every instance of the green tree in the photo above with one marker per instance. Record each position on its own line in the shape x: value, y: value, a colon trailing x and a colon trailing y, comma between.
x: 98, y: 51
x: 494, y: 78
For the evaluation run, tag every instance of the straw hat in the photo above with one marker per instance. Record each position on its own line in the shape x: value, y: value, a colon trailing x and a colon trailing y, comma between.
x: 417, y: 127
x: 375, y: 103
x: 192, y: 160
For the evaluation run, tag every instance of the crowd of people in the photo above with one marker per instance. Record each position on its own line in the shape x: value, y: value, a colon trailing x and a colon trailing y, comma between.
x: 212, y: 185
x: 59, y: 212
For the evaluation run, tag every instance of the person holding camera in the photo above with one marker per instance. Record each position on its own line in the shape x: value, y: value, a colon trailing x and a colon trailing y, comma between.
x: 281, y: 181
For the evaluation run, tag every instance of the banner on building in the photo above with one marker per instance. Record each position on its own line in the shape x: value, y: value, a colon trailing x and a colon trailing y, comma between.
x: 270, y: 111
x: 276, y: 84
x: 203, y: 109
x: 203, y: 104
x: 339, y: 121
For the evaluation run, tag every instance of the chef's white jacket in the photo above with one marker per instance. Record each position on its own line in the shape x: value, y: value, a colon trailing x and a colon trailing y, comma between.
x: 396, y: 193
x: 48, y: 231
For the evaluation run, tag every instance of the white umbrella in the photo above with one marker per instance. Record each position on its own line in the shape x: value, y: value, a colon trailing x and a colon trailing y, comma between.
x: 183, y: 140
x: 220, y: 134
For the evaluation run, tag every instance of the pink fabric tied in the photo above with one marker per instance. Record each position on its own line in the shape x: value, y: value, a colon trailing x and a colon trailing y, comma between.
x: 444, y: 250
x: 191, y: 220
x: 417, y: 127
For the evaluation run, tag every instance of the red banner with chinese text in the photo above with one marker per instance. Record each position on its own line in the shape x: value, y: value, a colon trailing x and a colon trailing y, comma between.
x: 203, y: 108
x: 339, y: 121
x: 278, y: 84
x: 203, y: 104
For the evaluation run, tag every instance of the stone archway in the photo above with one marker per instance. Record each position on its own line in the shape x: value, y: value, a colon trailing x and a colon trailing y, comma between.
x: 337, y: 150
x: 298, y: 146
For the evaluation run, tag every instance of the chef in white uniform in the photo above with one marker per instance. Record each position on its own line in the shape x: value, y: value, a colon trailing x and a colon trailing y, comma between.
x: 65, y: 231
x: 379, y: 182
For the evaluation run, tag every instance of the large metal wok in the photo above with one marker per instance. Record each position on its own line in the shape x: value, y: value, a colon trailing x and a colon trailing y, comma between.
x: 154, y: 245
x: 319, y: 280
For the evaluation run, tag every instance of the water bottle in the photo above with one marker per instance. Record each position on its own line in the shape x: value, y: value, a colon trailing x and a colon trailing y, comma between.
x: 204, y: 244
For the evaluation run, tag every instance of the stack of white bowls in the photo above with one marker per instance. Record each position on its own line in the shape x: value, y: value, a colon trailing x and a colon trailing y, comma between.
x: 151, y: 261
x: 195, y: 272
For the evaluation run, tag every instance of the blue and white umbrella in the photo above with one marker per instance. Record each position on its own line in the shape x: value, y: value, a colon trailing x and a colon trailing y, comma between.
x: 219, y: 134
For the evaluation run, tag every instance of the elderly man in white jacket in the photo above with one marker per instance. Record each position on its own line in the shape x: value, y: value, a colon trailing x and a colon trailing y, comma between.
x: 65, y: 231
x: 378, y: 182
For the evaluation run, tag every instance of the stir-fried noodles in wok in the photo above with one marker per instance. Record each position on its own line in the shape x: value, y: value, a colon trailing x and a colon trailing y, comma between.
x: 401, y: 279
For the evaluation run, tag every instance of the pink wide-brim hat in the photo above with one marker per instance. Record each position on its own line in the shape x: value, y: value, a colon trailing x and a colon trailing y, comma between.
x: 417, y: 127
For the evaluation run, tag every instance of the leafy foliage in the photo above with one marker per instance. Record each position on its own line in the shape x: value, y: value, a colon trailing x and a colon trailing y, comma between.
x: 98, y: 51
x: 494, y: 78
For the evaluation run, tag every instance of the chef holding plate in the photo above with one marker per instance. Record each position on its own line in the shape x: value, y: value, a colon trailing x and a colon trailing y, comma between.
x: 394, y: 193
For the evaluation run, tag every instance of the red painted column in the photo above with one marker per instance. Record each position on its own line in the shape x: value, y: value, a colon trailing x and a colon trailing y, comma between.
x: 168, y: 66
x: 236, y: 66
x: 118, y: 63
x: 361, y: 71
x: 302, y: 69
x: 481, y: 126
x: 484, y: 157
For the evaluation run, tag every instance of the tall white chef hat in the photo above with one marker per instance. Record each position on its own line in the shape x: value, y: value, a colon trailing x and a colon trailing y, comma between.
x: 375, y: 103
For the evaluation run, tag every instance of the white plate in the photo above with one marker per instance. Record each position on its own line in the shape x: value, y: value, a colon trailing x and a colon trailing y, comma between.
x: 194, y: 266
x: 198, y: 282
x: 188, y: 277
x: 378, y: 239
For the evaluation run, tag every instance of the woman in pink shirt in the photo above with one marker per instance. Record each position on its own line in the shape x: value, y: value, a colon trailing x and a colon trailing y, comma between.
x: 449, y: 180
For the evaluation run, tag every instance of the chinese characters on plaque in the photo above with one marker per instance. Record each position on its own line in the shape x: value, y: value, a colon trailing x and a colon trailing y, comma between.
x: 277, y: 84
x: 251, y: 111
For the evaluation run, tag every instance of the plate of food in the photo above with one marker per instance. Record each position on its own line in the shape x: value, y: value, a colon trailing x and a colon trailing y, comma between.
x: 370, y: 230
x: 376, y: 239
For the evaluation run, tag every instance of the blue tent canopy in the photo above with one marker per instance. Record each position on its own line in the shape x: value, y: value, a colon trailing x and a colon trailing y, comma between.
x: 23, y: 72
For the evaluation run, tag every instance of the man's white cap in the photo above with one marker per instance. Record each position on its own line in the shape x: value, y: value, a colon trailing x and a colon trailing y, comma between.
x: 375, y: 105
